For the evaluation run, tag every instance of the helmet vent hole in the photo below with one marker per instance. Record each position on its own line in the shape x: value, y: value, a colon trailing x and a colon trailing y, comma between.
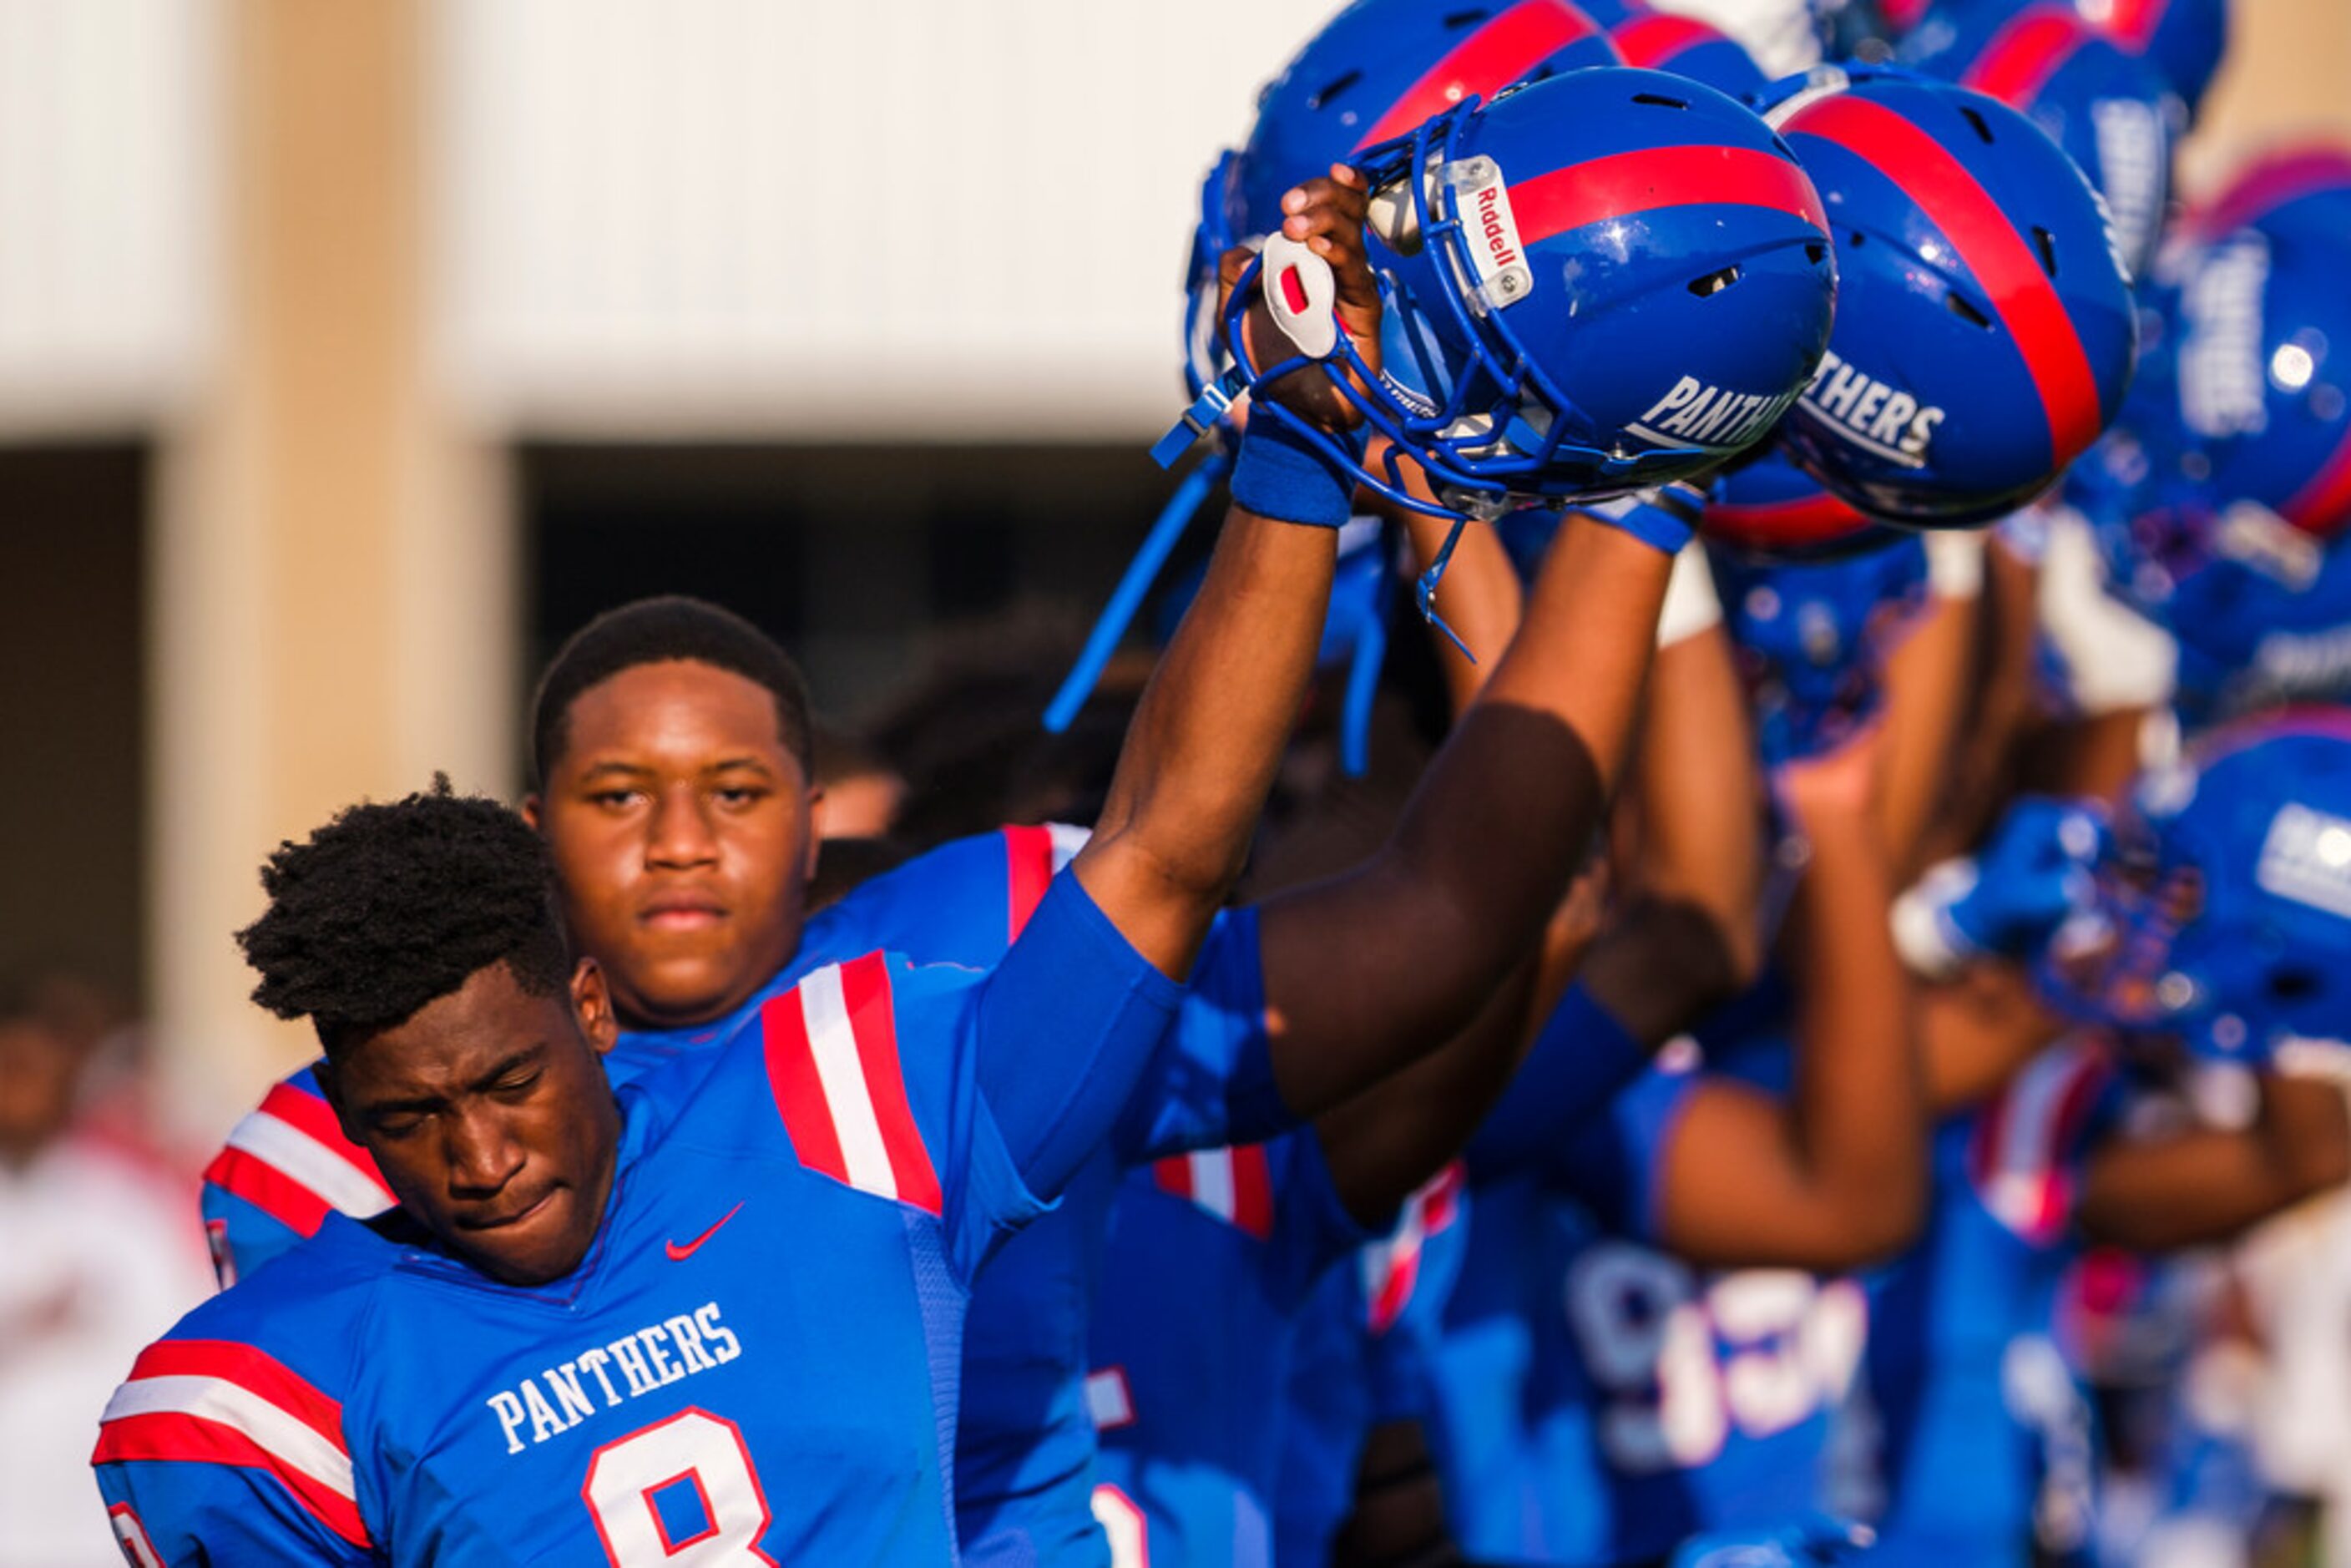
x: 1714, y: 282
x: 2046, y: 244
x: 1982, y: 126
x: 1854, y: 238
x: 1816, y: 253
x: 2294, y: 986
x: 1965, y: 311
x: 1659, y: 100
x: 1456, y: 20
x: 1333, y: 88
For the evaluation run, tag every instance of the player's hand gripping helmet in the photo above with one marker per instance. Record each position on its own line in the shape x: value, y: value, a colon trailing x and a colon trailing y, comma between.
x: 2222, y: 915
x: 2113, y: 112
x: 1984, y: 330
x: 1374, y: 72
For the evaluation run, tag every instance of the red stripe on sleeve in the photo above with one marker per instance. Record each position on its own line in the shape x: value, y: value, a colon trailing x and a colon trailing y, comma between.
x: 2323, y: 505
x: 1648, y: 40
x: 2019, y: 292
x: 169, y: 1437
x: 1484, y: 63
x: 2025, y: 53
x: 1174, y: 1175
x: 268, y: 1189
x: 311, y: 1116
x: 255, y: 1371
x: 865, y: 990
x: 1629, y: 182
x: 1028, y: 870
x: 1396, y: 1282
x: 1252, y: 1191
x: 798, y: 1092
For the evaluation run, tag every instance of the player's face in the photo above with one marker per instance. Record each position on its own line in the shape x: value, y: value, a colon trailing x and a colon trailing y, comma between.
x: 682, y: 835
x: 489, y: 1115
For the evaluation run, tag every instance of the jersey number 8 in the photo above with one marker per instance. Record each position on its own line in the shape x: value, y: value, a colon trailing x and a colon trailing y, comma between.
x: 691, y: 1473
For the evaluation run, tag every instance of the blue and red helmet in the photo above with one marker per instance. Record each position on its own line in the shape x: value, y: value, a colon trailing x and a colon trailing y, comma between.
x: 1768, y: 508
x: 1608, y: 279
x: 1813, y: 637
x: 1985, y: 328
x: 2184, y: 39
x: 2113, y: 112
x: 2222, y: 916
x: 2287, y: 185
x: 1374, y: 72
x: 1668, y: 41
x: 2264, y: 364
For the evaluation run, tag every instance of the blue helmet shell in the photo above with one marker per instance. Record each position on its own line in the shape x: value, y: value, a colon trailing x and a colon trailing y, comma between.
x: 1668, y: 41
x: 1610, y: 278
x: 2113, y: 112
x: 1768, y: 508
x: 1985, y: 327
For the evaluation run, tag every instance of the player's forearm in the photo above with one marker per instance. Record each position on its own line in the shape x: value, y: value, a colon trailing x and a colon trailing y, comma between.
x: 1702, y: 820
x: 2208, y: 1185
x: 1480, y: 598
x: 1209, y: 733
x: 1926, y: 691
x: 1369, y: 972
x: 1857, y: 1115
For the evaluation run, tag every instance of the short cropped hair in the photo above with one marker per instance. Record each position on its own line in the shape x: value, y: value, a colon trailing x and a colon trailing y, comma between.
x: 389, y: 907
x: 654, y: 632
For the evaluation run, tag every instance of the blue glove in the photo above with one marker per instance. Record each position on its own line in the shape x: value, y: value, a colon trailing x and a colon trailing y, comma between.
x: 2009, y: 900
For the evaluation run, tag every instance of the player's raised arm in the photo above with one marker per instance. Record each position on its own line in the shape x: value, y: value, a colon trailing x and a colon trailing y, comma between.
x: 1833, y: 1174
x: 1201, y: 752
x: 2205, y: 1184
x: 1368, y: 971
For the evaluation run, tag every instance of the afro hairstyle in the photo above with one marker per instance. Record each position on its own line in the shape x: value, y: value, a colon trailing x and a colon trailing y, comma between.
x: 389, y: 907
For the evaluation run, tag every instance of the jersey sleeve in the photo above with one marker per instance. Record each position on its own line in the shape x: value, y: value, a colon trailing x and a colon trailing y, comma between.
x: 1582, y: 1059
x: 285, y: 1166
x: 2029, y: 1142
x: 1211, y: 1082
x: 1614, y: 1161
x: 1065, y: 1027
x: 213, y: 1452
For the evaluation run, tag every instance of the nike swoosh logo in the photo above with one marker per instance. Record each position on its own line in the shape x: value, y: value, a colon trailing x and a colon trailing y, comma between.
x: 680, y: 1254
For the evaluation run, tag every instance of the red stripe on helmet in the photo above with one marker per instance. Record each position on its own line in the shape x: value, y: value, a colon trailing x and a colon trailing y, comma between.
x: 2025, y: 53
x: 2270, y: 182
x: 1809, y: 520
x: 2324, y: 504
x: 1485, y: 62
x: 1627, y: 183
x: 2133, y: 22
x: 2023, y: 300
x: 1652, y: 38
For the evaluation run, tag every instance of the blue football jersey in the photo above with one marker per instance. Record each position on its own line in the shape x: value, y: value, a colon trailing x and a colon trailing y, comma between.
x: 1213, y: 1257
x: 286, y: 1165
x: 757, y: 1361
x: 1971, y: 1415
x: 1648, y: 1400
x: 1024, y: 1459
x: 1365, y: 1356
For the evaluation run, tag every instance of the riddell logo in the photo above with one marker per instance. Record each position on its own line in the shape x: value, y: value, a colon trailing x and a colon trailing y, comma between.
x: 1498, y: 256
x: 1695, y: 413
x: 1866, y: 412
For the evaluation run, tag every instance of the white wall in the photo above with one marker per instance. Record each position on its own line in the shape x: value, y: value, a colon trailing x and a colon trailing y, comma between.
x: 109, y: 213
x: 965, y: 218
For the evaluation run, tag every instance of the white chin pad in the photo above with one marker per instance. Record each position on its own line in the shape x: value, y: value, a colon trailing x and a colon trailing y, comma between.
x: 1300, y: 293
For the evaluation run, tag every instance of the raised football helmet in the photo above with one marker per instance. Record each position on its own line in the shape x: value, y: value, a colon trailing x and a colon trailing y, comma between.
x: 1985, y: 328
x: 1603, y: 281
x: 2223, y: 913
x: 2113, y: 111
x: 1685, y: 46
